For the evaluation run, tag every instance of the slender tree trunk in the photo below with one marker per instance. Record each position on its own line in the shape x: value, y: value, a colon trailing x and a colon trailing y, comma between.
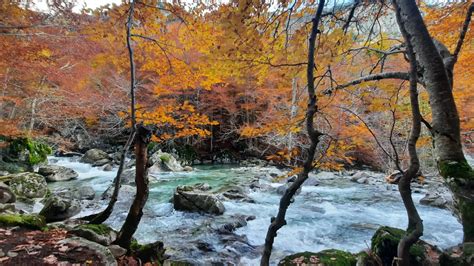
x: 415, y: 224
x: 32, y: 118
x: 313, y: 135
x: 445, y: 120
x: 105, y: 214
x: 142, y: 139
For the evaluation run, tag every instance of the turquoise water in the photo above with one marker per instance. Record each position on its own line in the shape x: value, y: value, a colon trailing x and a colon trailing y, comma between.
x: 336, y: 214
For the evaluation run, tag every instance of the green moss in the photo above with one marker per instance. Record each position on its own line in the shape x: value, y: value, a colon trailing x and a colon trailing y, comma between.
x: 100, y: 229
x: 24, y: 220
x: 165, y: 157
x: 385, y: 244
x: 329, y: 257
x: 456, y: 170
x: 37, y: 151
x: 153, y: 252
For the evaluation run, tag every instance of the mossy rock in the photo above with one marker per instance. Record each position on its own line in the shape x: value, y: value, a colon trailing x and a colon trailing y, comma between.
x: 152, y: 252
x: 28, y: 185
x: 99, y: 233
x: 329, y: 257
x: 385, y: 244
x: 36, y: 151
x: 24, y: 220
x: 13, y: 167
x: 100, y: 229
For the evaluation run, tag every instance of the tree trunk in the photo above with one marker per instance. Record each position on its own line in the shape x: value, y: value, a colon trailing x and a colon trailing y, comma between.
x: 135, y: 213
x: 105, y: 214
x: 415, y: 224
x: 445, y: 120
x: 313, y: 135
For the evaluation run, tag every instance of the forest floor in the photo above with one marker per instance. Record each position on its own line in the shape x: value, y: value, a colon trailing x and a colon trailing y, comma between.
x: 22, y: 246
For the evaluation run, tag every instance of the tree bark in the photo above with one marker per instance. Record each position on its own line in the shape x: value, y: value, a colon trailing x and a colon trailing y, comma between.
x: 415, y: 224
x: 313, y: 135
x: 445, y: 120
x: 135, y: 213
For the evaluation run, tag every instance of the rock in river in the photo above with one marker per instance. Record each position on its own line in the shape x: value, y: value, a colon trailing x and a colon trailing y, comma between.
x: 28, y: 185
x: 195, y: 199
x: 58, y: 209
x: 54, y: 173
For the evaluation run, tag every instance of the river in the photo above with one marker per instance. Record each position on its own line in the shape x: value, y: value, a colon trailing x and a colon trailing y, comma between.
x: 336, y: 214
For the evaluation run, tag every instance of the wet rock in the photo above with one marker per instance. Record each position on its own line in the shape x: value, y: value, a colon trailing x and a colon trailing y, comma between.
x: 438, y: 200
x: 253, y: 162
x: 28, y: 185
x: 6, y: 194
x: 385, y: 243
x: 203, y: 246
x: 195, y: 199
x: 238, y: 221
x: 58, y: 209
x: 117, y: 250
x: 7, y: 208
x: 80, y: 193
x: 95, y: 157
x: 107, y: 258
x: 282, y: 189
x: 128, y: 176
x: 311, y: 181
x: 54, y: 173
x: 127, y: 192
x: 99, y: 233
x: 188, y: 168
x: 164, y: 162
x: 108, y: 167
x: 237, y: 193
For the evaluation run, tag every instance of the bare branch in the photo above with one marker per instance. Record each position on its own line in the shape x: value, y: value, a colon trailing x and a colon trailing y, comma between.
x: 464, y: 29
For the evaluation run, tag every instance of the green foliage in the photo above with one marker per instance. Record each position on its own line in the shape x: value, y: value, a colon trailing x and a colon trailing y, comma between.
x: 37, y: 151
x: 329, y: 257
x: 25, y: 220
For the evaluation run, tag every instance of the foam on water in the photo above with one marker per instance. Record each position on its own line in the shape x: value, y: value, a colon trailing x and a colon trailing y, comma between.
x: 336, y: 214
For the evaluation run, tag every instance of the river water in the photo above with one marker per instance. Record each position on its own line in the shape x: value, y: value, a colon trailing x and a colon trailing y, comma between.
x: 336, y: 214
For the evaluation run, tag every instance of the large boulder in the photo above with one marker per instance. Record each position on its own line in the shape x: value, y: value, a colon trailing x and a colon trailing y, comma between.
x: 28, y: 185
x: 25, y: 220
x: 385, y: 243
x: 107, y: 258
x: 197, y: 199
x: 6, y: 194
x: 164, y: 162
x: 95, y: 157
x: 439, y: 200
x: 79, y: 193
x: 59, y: 209
x: 99, y: 233
x: 328, y: 257
x: 54, y: 173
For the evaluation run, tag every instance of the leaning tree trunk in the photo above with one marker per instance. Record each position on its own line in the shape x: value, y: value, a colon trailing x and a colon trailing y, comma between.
x: 415, y: 224
x: 135, y: 213
x: 313, y: 135
x: 445, y: 120
x: 105, y: 214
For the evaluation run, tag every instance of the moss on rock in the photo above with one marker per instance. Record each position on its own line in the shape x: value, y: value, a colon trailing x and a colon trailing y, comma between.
x: 28, y: 185
x: 25, y: 220
x: 329, y: 257
x: 385, y: 243
x: 100, y: 229
x: 455, y: 169
x: 152, y: 252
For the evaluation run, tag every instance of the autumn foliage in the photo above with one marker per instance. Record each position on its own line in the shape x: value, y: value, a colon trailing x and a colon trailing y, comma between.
x: 228, y: 76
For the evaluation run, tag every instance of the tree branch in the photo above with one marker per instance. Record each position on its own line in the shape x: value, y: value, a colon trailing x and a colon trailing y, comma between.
x: 464, y: 29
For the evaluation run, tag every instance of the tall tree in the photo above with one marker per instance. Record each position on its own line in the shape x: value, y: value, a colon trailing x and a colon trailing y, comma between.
x: 313, y: 135
x: 415, y: 224
x: 444, y: 127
